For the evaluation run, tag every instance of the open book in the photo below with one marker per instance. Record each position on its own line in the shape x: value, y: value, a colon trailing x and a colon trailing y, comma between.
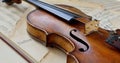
x: 13, y: 28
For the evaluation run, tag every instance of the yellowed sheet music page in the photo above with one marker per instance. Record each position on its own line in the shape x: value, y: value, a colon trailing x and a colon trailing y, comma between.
x: 9, y: 16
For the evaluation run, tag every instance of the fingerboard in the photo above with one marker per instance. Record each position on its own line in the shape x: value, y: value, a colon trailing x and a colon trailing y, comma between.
x: 64, y: 14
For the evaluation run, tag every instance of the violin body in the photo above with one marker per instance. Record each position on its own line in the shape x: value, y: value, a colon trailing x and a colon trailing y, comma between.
x: 69, y: 37
x: 54, y: 32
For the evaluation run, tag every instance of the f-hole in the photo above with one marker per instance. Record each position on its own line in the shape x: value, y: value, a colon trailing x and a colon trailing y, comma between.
x: 79, y: 40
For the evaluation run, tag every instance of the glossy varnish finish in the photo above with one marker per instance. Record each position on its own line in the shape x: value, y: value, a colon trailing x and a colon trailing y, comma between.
x: 58, y: 35
x: 54, y: 31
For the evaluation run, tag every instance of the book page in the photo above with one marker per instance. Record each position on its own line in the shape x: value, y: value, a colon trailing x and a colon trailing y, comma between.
x: 9, y: 55
x: 9, y: 16
x: 108, y: 19
x: 109, y: 14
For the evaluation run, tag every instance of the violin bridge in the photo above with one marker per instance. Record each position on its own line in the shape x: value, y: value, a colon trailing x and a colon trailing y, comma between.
x: 91, y: 26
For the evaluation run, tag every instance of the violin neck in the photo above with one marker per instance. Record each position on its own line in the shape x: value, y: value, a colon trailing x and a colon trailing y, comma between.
x: 66, y: 15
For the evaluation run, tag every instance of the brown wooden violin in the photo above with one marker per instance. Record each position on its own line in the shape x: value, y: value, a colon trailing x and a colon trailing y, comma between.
x: 63, y: 29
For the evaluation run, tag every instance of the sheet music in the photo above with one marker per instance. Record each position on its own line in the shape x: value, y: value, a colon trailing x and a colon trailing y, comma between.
x: 8, y: 55
x: 113, y: 5
x: 107, y: 14
x: 10, y: 15
x: 106, y: 19
x: 9, y: 19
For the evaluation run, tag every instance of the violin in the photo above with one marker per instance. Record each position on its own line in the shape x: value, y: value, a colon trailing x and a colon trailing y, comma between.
x: 73, y: 34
